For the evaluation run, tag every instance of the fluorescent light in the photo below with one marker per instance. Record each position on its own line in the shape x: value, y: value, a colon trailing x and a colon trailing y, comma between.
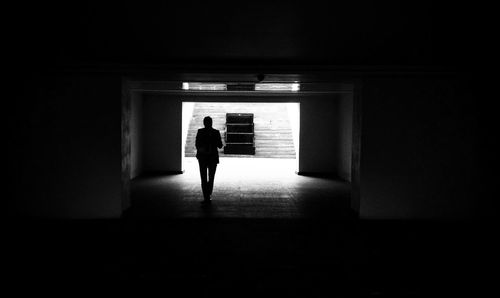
x: 277, y: 87
x: 204, y: 86
x: 283, y: 87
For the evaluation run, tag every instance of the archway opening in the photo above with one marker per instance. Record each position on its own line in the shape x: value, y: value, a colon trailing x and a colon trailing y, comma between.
x: 155, y: 128
x: 268, y: 144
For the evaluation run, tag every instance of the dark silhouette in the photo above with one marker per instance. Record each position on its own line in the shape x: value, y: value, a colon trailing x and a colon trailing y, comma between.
x: 208, y: 140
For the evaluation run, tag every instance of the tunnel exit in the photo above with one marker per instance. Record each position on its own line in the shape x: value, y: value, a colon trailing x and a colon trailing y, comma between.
x: 252, y: 133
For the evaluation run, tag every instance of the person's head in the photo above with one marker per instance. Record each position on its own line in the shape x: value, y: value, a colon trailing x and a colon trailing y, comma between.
x: 207, y: 121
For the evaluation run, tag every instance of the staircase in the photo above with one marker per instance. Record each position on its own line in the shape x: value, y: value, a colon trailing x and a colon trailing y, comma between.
x: 273, y: 133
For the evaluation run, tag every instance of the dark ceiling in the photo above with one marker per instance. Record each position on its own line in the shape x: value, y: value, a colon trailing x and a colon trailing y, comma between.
x: 347, y: 33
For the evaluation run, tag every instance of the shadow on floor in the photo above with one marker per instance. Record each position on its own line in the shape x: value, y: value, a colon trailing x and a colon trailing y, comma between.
x: 250, y: 257
x: 177, y: 196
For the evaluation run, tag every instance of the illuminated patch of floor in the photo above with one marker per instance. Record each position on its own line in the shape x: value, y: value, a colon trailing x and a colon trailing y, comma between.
x: 244, y: 188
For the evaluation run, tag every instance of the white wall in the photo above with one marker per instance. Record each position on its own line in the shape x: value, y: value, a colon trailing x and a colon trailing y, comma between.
x: 187, y: 114
x: 293, y: 110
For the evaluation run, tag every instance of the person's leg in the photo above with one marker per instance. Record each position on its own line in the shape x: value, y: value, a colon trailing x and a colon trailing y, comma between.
x: 211, y: 176
x: 203, y: 176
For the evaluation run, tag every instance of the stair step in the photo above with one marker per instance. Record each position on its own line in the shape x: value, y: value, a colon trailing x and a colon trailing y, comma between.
x: 242, y: 144
x: 239, y: 138
x: 272, y: 132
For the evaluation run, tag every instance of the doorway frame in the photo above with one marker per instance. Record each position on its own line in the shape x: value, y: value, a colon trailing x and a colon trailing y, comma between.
x: 138, y: 86
x: 296, y: 146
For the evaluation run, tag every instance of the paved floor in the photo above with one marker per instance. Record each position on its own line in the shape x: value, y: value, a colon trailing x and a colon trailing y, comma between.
x: 266, y: 236
x: 244, y: 188
x: 241, y: 257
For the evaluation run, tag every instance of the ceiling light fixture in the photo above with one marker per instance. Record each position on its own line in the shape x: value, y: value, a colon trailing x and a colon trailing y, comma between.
x: 204, y: 86
x: 293, y: 87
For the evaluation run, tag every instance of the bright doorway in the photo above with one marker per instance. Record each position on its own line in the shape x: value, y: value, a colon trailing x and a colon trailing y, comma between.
x: 276, y: 134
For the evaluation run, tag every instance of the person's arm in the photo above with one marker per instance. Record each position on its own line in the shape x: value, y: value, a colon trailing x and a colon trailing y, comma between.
x: 219, y: 140
x: 197, y: 143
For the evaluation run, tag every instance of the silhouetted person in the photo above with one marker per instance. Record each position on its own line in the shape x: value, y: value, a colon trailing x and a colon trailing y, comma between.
x: 207, y: 142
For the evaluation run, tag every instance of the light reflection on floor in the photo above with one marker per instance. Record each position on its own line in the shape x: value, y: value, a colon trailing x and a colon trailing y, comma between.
x: 246, y: 169
x: 244, y: 188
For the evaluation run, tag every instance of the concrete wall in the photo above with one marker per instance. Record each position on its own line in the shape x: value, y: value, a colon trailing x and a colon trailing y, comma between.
x: 319, y: 134
x: 136, y: 142
x: 64, y: 145
x: 162, y: 129
x: 420, y: 145
x: 345, y: 118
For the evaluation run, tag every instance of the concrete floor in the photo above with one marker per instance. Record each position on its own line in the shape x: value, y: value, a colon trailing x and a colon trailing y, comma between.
x: 266, y: 235
x: 244, y: 188
x: 242, y: 257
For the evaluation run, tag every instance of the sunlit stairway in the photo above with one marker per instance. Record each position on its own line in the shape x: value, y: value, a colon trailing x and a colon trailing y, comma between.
x: 273, y: 132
